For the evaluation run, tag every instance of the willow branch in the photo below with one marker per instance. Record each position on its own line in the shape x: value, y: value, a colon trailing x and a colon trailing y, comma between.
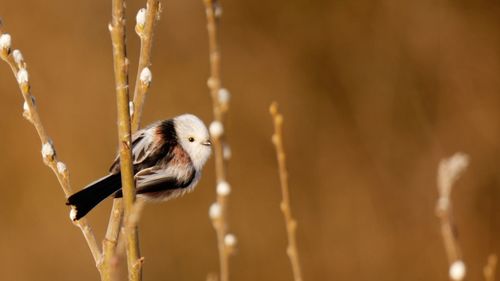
x: 117, y: 30
x: 291, y: 224
x: 19, y: 69
x: 111, y: 239
x: 489, y: 270
x: 220, y: 98
x: 146, y: 19
x: 448, y: 173
x: 131, y: 223
x: 144, y: 29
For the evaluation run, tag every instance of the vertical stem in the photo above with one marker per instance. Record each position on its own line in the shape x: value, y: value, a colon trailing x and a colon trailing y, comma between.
x: 291, y: 224
x: 146, y: 36
x: 111, y: 239
x: 117, y: 30
x: 449, y: 171
x: 212, y: 10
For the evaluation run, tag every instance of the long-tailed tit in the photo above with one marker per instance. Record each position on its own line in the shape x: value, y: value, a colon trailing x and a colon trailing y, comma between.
x: 167, y: 159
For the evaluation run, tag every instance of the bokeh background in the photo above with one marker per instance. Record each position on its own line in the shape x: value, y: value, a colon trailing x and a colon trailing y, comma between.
x: 374, y: 94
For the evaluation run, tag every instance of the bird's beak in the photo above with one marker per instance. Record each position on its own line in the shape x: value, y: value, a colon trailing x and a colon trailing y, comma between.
x: 207, y: 143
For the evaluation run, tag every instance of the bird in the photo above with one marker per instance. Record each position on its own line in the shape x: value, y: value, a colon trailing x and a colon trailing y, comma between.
x: 167, y: 158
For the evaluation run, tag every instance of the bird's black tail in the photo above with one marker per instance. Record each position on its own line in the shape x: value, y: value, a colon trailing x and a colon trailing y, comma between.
x: 86, y: 199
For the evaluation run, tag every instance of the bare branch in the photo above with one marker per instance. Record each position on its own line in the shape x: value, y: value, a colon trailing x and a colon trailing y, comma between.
x: 143, y: 80
x: 146, y: 19
x: 132, y: 222
x: 448, y: 173
x: 117, y: 30
x: 220, y: 105
x: 291, y: 224
x: 111, y: 240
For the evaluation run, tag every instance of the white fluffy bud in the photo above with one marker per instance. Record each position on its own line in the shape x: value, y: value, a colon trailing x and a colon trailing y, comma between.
x: 72, y: 214
x: 18, y: 57
x: 22, y: 76
x: 223, y: 188
x: 140, y: 18
x: 146, y: 76
x: 223, y: 95
x: 457, y: 270
x: 215, y: 211
x: 61, y: 167
x: 5, y: 42
x: 26, y: 111
x: 48, y: 150
x: 216, y: 129
x: 131, y: 107
x: 230, y: 240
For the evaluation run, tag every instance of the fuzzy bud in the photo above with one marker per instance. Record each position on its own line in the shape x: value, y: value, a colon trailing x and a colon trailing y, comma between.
x: 215, y: 211
x: 26, y: 107
x: 72, y: 214
x: 140, y: 19
x: 61, y: 167
x: 223, y: 95
x: 223, y: 188
x: 230, y: 240
x: 216, y: 129
x: 26, y: 111
x: 5, y: 43
x: 131, y: 108
x: 18, y: 57
x: 146, y: 76
x: 22, y: 76
x: 457, y: 270
x: 48, y: 150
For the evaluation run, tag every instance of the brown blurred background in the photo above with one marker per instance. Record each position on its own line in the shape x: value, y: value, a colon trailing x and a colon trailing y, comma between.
x: 374, y: 93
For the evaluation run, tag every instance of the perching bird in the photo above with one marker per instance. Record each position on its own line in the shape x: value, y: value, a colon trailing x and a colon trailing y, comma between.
x: 167, y: 159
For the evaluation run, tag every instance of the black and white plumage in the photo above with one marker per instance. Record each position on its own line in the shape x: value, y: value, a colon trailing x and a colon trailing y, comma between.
x: 167, y: 159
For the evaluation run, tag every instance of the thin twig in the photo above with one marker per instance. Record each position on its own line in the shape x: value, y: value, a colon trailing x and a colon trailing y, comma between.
x: 448, y: 173
x: 291, y: 224
x: 220, y: 106
x: 132, y: 222
x: 117, y: 30
x: 490, y: 268
x: 19, y: 69
x: 111, y: 239
x: 143, y: 79
x: 144, y: 28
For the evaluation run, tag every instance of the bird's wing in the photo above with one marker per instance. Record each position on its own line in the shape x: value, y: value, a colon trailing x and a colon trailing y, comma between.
x: 157, y: 179
x: 137, y: 139
x: 145, y: 148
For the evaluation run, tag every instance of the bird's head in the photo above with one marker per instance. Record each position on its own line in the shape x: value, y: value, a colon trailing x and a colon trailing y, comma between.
x: 194, y: 138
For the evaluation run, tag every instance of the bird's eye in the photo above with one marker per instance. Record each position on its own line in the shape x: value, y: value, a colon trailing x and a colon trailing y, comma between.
x: 191, y: 139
